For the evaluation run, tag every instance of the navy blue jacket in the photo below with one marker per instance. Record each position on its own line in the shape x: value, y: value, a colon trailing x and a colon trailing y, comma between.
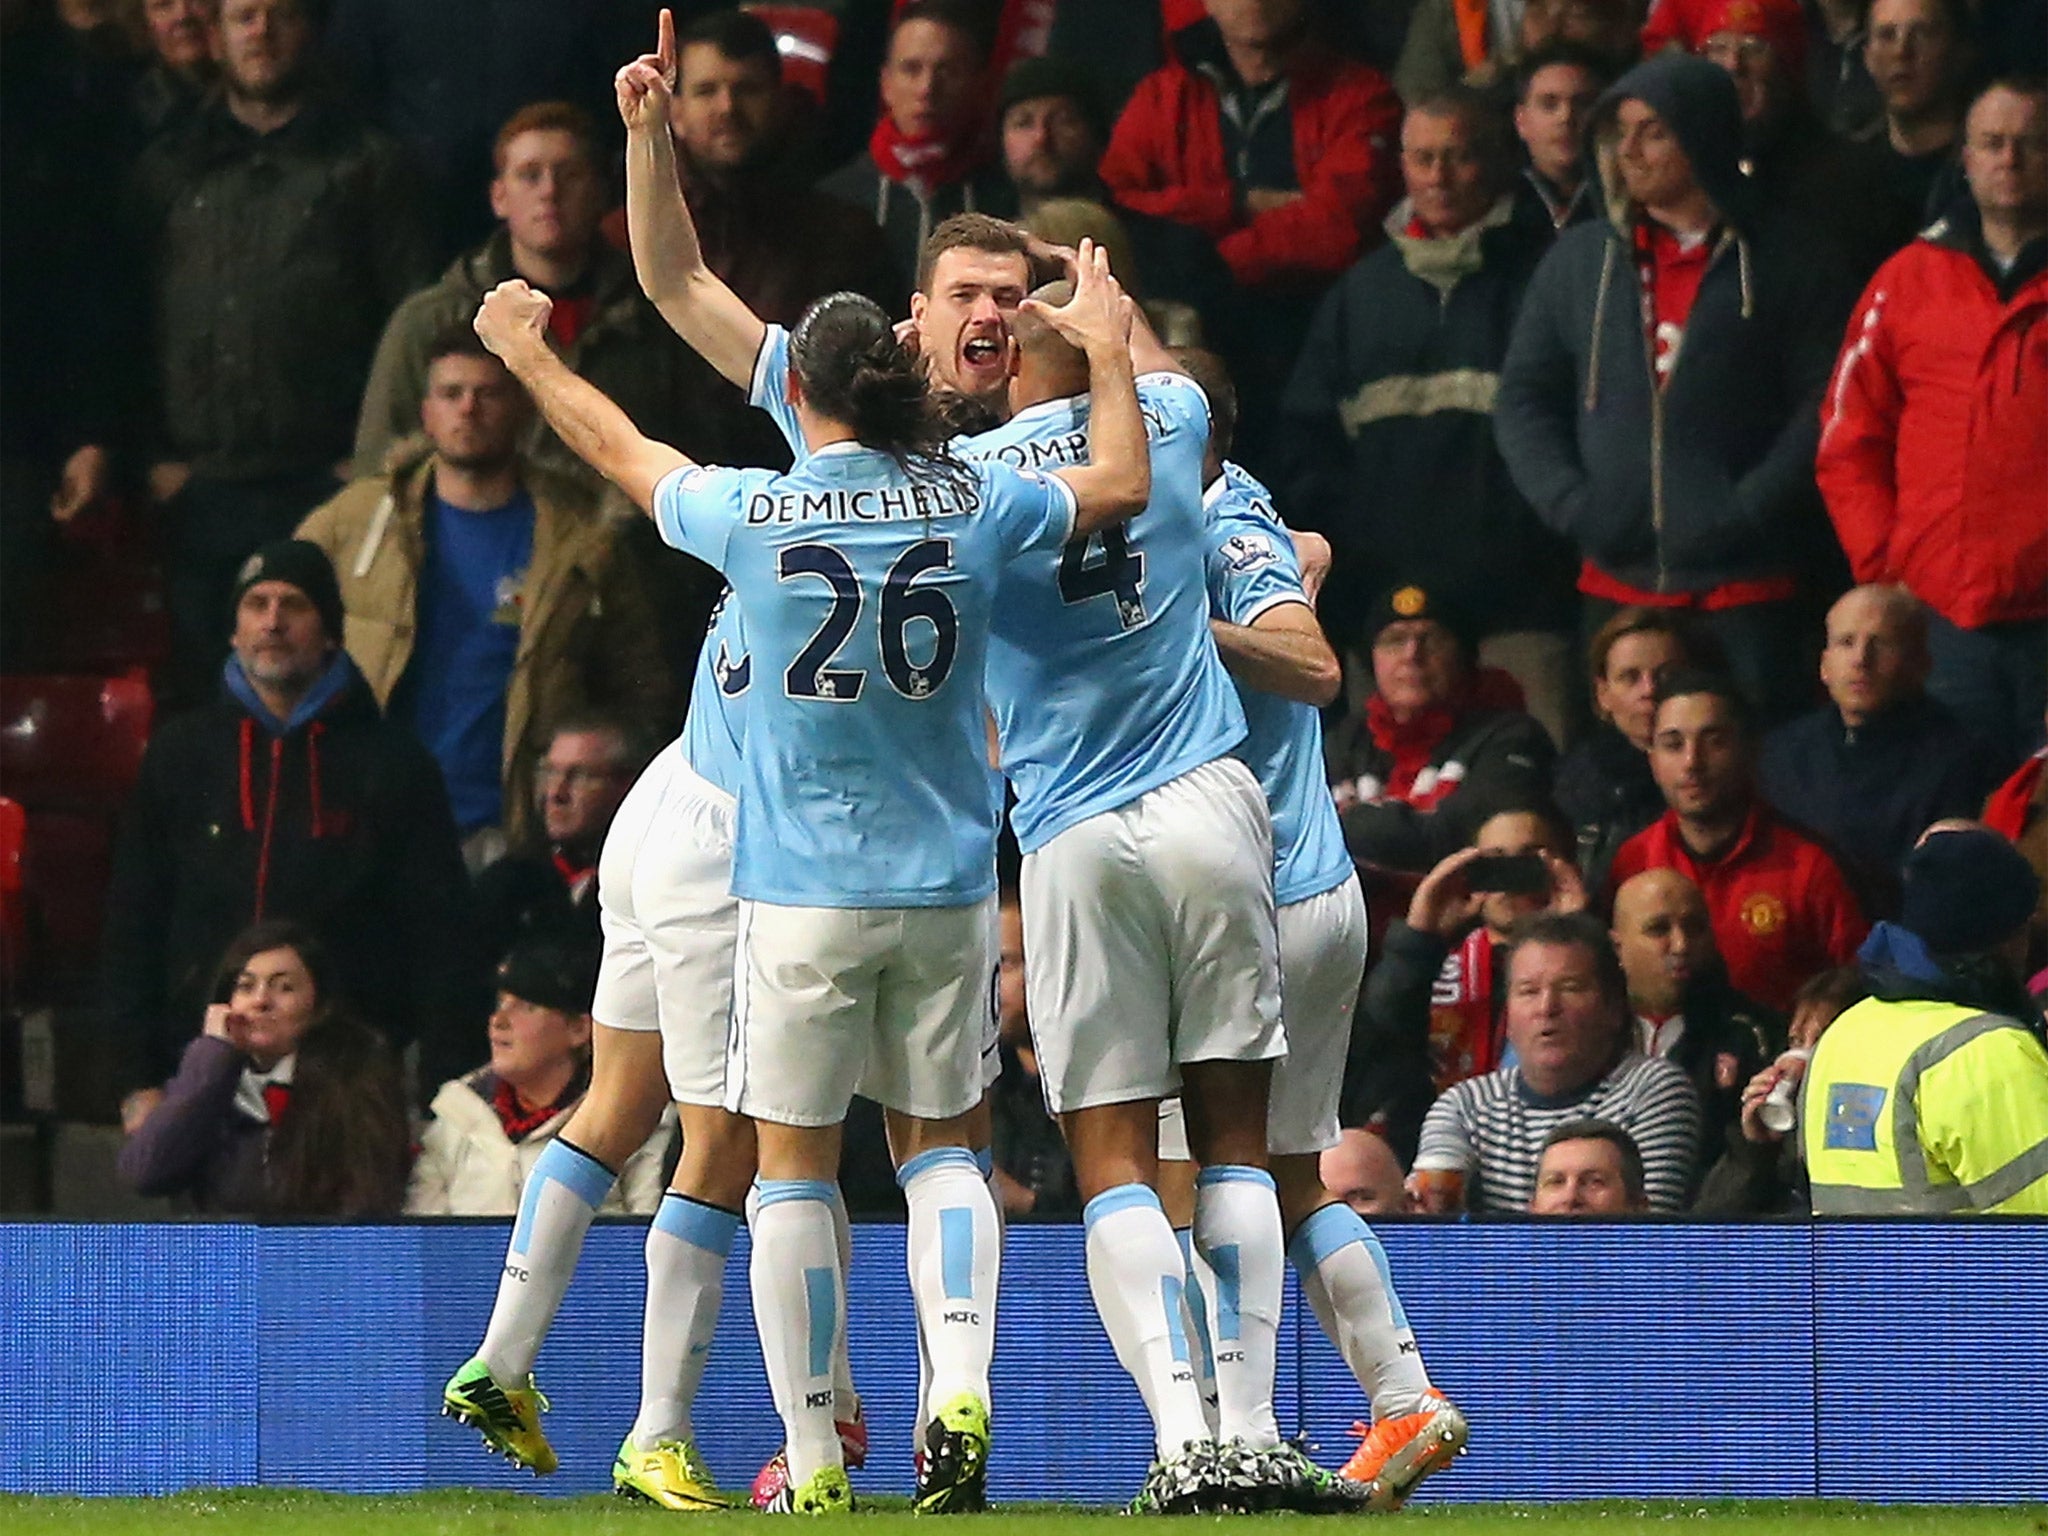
x: 1710, y: 478
x: 1871, y: 791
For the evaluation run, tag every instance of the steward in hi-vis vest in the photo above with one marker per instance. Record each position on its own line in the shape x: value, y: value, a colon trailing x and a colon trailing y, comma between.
x: 1931, y: 1096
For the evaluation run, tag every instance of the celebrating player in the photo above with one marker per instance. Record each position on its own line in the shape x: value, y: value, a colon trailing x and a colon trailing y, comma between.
x: 864, y: 857
x: 1261, y: 606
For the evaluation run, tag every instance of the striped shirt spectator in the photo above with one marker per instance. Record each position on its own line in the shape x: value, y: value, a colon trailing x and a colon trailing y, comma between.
x: 1492, y: 1129
x: 1572, y: 1057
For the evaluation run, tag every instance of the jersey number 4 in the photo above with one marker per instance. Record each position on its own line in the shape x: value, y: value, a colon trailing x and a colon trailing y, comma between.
x: 811, y: 675
x: 1104, y: 565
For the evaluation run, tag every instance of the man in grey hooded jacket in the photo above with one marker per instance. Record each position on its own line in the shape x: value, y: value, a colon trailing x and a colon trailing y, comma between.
x: 1659, y: 405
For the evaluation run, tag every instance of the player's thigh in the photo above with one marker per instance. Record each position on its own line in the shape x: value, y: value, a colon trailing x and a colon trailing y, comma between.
x: 1208, y: 852
x: 805, y: 986
x: 924, y: 1056
x: 689, y: 924
x: 1096, y: 975
x: 1322, y: 961
x: 625, y: 998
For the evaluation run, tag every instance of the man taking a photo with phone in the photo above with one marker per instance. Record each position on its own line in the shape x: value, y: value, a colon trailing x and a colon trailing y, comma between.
x: 1432, y: 1011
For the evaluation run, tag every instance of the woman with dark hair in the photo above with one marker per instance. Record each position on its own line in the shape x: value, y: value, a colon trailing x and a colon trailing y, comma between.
x: 284, y: 1104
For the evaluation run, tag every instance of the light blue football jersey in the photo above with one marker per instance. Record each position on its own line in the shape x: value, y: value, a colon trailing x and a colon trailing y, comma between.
x: 1252, y: 568
x: 1103, y: 677
x: 867, y: 595
x: 714, y: 736
x: 770, y: 389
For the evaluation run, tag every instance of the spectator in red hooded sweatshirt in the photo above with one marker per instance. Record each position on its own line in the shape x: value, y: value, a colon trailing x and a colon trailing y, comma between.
x: 932, y: 152
x: 1440, y: 743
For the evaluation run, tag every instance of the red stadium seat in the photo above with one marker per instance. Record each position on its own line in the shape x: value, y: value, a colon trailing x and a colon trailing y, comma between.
x: 13, y: 898
x: 72, y: 743
x: 70, y: 749
x: 806, y: 36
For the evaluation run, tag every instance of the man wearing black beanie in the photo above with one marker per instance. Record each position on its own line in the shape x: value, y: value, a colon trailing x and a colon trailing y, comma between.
x: 289, y: 796
x: 1931, y: 1096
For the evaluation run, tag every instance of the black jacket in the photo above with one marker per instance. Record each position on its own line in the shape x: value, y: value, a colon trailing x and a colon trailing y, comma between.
x: 341, y: 824
x: 277, y: 258
x: 1870, y: 792
x: 1498, y: 756
x: 1708, y: 478
x: 1389, y: 422
x: 1605, y: 786
x: 1720, y: 1022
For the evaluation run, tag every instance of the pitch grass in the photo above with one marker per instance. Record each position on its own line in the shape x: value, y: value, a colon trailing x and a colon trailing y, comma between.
x: 458, y: 1512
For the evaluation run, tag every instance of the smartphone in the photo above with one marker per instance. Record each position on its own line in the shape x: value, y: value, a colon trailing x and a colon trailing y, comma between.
x: 1513, y: 874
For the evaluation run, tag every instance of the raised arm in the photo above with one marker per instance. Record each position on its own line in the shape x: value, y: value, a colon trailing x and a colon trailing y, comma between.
x: 513, y: 324
x: 692, y: 298
x: 1116, y: 482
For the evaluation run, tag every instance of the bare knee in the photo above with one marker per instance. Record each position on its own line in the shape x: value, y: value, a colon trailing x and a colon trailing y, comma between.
x: 718, y: 1160
x: 1113, y: 1145
x: 1225, y: 1105
x: 628, y: 1092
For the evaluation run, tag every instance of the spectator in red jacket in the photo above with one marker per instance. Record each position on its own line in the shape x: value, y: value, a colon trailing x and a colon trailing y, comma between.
x: 1934, y: 442
x: 1282, y: 153
x: 1781, y: 909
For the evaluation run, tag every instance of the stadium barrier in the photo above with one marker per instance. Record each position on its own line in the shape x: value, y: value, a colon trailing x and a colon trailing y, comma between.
x: 1894, y: 1361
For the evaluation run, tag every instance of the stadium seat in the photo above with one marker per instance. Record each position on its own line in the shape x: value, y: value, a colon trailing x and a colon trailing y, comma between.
x: 72, y: 743
x: 13, y: 899
x: 70, y: 749
x: 806, y: 36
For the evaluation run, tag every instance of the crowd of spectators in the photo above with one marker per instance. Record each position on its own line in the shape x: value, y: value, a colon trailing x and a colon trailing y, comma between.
x: 1546, y: 315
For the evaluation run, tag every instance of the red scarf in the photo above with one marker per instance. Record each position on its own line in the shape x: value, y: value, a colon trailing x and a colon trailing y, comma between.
x: 1463, y: 1039
x: 1411, y: 743
x: 575, y: 876
x: 522, y: 1123
x: 2006, y: 810
x: 926, y: 163
x: 277, y: 1098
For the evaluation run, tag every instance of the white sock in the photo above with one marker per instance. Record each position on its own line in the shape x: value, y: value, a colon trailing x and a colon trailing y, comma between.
x: 1243, y: 1275
x: 954, y: 1258
x: 1201, y: 1349
x: 562, y: 1193
x: 799, y: 1308
x: 1343, y: 1273
x: 845, y: 1401
x: 1137, y: 1278
x: 686, y: 1252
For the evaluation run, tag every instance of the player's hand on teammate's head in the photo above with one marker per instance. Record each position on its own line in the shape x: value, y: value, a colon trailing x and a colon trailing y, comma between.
x: 644, y: 86
x: 908, y: 336
x: 1099, y: 313
x: 513, y: 315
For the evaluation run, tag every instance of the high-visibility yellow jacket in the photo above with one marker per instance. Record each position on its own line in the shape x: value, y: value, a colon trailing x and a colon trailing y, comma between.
x: 1922, y: 1108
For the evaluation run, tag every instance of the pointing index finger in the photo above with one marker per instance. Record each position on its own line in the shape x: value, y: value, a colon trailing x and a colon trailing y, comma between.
x: 665, y: 43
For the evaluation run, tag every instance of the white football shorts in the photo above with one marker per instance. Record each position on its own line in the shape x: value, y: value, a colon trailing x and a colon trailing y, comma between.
x: 1149, y: 940
x: 664, y: 883
x: 1322, y: 963
x: 892, y: 1002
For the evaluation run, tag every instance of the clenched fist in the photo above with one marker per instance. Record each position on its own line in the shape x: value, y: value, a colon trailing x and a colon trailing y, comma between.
x: 514, y: 315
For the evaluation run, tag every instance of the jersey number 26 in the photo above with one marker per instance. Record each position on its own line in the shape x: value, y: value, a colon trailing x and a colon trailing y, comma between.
x: 811, y: 675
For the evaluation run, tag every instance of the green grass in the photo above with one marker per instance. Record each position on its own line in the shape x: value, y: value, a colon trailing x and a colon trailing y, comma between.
x: 265, y: 1512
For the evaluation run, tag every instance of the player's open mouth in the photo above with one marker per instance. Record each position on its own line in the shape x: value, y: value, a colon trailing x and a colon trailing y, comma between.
x: 981, y: 352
